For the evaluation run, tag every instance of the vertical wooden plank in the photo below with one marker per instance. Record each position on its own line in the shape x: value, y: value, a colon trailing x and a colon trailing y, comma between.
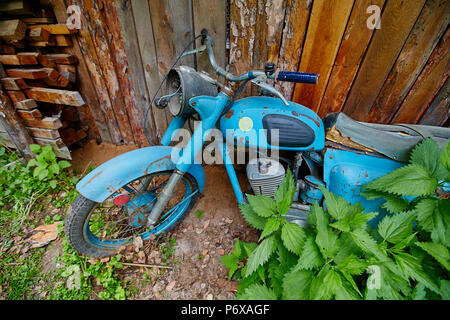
x: 439, y: 112
x: 211, y: 16
x: 325, y: 31
x: 172, y: 22
x: 424, y: 37
x: 294, y: 34
x: 172, y: 31
x: 91, y: 114
x: 268, y: 32
x: 87, y: 48
x: 242, y: 36
x: 397, y: 20
x: 429, y: 82
x: 13, y: 125
x: 351, y: 52
x: 144, y: 68
x: 98, y: 30
x: 121, y: 63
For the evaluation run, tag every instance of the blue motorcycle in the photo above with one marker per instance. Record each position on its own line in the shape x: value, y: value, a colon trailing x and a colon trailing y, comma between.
x: 147, y: 192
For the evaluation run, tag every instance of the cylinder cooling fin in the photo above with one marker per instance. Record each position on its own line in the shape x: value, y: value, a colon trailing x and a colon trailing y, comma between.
x: 265, y: 175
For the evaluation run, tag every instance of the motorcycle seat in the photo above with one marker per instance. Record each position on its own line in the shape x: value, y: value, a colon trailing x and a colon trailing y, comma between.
x: 394, y: 141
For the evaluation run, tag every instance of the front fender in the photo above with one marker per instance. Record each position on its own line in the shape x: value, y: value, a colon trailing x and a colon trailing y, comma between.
x: 109, y: 177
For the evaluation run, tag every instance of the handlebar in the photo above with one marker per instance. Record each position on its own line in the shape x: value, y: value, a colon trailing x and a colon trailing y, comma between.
x: 289, y: 76
x: 298, y: 77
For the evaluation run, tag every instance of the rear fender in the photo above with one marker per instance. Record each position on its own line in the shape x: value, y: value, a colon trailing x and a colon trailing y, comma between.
x: 109, y: 177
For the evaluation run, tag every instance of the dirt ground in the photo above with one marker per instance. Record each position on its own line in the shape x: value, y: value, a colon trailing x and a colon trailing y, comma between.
x: 200, y: 240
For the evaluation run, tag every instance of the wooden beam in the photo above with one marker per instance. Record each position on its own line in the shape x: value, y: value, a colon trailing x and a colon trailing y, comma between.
x: 54, y: 28
x: 16, y: 7
x: 44, y: 133
x: 16, y: 96
x: 14, y: 126
x: 27, y: 104
x: 27, y: 73
x: 14, y: 84
x: 38, y: 34
x: 30, y: 114
x: 70, y: 135
x: 71, y: 98
x: 63, y: 40
x: 45, y: 123
x: 58, y: 143
x: 12, y: 29
x: 61, y: 58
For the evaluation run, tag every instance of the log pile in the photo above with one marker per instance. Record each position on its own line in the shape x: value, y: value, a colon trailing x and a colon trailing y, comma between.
x: 38, y: 76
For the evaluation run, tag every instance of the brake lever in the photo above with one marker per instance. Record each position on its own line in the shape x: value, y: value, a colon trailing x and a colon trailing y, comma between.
x: 261, y: 82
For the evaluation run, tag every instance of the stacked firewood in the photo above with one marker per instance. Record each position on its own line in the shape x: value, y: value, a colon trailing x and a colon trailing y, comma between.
x: 38, y: 77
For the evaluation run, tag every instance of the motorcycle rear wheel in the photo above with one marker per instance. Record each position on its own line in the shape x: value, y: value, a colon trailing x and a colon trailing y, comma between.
x: 100, y: 229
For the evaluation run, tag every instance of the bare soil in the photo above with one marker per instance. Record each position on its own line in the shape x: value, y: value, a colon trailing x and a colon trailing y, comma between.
x: 200, y: 240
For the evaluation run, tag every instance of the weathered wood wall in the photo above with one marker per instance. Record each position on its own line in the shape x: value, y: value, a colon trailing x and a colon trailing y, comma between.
x: 397, y: 73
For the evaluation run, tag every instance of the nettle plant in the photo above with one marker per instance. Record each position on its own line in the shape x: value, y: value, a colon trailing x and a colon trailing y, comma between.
x: 339, y: 256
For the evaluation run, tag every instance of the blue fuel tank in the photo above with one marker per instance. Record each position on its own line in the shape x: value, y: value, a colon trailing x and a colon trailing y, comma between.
x: 266, y: 122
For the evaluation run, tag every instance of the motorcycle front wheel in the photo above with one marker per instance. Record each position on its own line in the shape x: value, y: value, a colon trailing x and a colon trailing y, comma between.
x: 101, y: 229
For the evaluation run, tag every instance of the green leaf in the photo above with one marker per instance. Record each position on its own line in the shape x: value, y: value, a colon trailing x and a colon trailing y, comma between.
x: 54, y: 168
x: 251, y: 217
x: 437, y: 251
x: 296, y: 285
x: 346, y: 291
x: 336, y: 206
x: 432, y: 216
x: 326, y: 239
x: 445, y: 156
x: 412, y: 268
x: 32, y: 163
x: 410, y: 180
x: 445, y: 289
x: 310, y: 257
x: 428, y: 155
x: 272, y: 225
x: 285, y: 193
x: 64, y: 164
x: 257, y: 292
x: 397, y: 227
x: 419, y: 292
x: 399, y: 246
x: 53, y: 184
x: 330, y: 285
x: 35, y: 148
x: 43, y: 174
x: 353, y: 265
x: 293, y: 237
x: 425, y: 210
x: 368, y: 244
x: 261, y: 255
x: 262, y: 205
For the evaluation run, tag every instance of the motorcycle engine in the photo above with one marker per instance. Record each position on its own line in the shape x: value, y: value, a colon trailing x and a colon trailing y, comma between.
x: 265, y: 175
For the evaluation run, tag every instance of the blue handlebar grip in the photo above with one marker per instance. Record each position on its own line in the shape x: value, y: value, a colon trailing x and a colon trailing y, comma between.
x: 298, y: 77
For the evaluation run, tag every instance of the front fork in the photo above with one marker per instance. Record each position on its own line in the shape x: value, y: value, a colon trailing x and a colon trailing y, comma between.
x: 210, y: 109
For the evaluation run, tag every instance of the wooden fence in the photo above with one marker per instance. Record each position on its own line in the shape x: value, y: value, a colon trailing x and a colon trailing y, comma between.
x: 397, y: 73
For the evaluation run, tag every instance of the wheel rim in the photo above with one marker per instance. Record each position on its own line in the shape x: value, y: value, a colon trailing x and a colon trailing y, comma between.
x: 123, y: 215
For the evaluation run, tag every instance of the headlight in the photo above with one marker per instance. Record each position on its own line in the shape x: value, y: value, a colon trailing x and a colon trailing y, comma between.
x: 184, y: 83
